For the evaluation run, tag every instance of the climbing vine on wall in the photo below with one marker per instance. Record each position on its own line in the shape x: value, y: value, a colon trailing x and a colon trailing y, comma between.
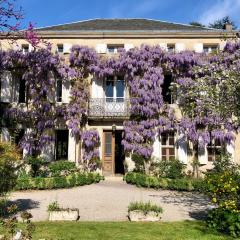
x: 200, y: 82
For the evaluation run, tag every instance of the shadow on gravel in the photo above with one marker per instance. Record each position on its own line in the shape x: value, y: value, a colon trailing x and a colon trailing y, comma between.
x: 24, y: 204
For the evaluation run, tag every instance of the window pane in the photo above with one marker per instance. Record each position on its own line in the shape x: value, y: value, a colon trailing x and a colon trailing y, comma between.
x: 109, y: 89
x: 172, y: 151
x: 108, y: 143
x: 120, y: 88
x: 164, y: 151
x: 163, y: 139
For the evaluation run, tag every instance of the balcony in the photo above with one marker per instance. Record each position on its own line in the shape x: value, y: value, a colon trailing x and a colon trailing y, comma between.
x: 109, y: 108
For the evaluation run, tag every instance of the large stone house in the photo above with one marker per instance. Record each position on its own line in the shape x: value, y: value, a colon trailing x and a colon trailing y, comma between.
x: 109, y: 103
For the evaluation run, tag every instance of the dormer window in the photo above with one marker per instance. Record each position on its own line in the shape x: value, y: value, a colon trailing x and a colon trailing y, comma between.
x: 25, y: 48
x: 60, y: 48
x: 210, y: 48
x: 114, y: 48
x: 171, y: 47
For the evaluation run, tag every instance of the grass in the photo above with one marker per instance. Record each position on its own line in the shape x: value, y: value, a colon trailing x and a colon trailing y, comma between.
x: 124, y: 231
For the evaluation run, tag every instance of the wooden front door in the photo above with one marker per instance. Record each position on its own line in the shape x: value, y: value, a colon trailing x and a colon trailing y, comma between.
x: 108, y: 152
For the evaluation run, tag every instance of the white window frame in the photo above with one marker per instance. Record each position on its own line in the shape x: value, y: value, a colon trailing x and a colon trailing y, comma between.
x: 115, y: 79
x: 168, y: 146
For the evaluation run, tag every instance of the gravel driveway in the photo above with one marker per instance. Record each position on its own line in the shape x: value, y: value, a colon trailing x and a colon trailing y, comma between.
x: 109, y: 199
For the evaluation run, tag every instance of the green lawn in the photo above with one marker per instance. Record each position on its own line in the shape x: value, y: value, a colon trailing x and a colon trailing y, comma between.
x: 124, y: 231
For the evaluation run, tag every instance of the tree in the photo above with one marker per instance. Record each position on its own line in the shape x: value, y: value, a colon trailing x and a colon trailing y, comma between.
x: 220, y: 23
x: 10, y: 16
x: 197, y: 24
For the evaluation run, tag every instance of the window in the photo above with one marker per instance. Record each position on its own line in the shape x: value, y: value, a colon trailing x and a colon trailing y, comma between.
x: 209, y: 48
x: 61, y: 144
x: 168, y: 146
x: 59, y: 90
x: 171, y: 47
x: 166, y: 91
x: 108, y: 143
x: 25, y: 48
x: 22, y: 91
x: 114, y: 89
x: 213, y: 149
x: 114, y: 48
x: 60, y: 48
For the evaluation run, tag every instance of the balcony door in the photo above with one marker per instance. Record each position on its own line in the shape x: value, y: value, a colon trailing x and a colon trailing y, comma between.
x: 114, y: 95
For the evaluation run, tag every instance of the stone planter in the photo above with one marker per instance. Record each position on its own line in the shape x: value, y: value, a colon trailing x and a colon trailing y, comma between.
x: 64, y: 215
x: 139, y: 216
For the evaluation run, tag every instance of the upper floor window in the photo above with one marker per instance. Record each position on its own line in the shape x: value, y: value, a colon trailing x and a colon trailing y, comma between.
x: 114, y: 48
x: 25, y: 48
x: 171, y: 47
x: 214, y: 149
x: 60, y: 48
x: 209, y: 48
x: 114, y: 89
x: 166, y: 90
x: 59, y: 90
x: 167, y: 145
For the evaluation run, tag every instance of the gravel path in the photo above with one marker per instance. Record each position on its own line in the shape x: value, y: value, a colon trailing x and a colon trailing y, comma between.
x: 109, y: 199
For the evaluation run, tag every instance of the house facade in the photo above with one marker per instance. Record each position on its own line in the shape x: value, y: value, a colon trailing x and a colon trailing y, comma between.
x: 108, y: 106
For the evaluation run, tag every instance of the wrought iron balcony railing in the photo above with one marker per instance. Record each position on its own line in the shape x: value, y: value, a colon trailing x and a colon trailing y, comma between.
x: 108, y: 107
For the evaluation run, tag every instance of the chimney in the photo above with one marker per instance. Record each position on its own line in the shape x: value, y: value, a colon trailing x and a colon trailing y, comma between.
x: 228, y: 27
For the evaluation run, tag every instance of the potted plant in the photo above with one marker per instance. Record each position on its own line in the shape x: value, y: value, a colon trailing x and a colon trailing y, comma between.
x: 139, y: 211
x: 57, y: 213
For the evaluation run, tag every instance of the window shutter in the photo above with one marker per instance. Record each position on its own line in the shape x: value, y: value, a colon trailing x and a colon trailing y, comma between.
x: 101, y: 48
x: 230, y: 149
x: 157, y: 148
x: 97, y: 88
x: 163, y: 46
x: 6, y: 87
x: 48, y: 152
x: 202, y: 155
x: 67, y: 48
x: 182, y: 148
x: 66, y: 91
x: 198, y: 47
x: 180, y: 47
x: 5, y: 135
x: 71, y: 147
x: 128, y: 46
x: 31, y: 48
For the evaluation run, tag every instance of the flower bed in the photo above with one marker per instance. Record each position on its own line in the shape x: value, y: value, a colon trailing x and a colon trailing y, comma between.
x: 72, y: 180
x: 182, y: 184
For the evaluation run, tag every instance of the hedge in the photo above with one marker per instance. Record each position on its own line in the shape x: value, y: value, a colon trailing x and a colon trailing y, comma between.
x: 181, y: 184
x: 72, y: 180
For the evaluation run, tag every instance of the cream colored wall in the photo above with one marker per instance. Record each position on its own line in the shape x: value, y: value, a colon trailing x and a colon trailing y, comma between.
x: 188, y: 42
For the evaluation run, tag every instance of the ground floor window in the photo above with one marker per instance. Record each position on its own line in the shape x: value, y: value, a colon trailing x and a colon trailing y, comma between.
x: 61, y: 144
x: 214, y: 149
x: 167, y: 146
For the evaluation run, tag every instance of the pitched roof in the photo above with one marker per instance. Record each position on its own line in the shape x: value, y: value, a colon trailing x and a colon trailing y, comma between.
x: 136, y: 24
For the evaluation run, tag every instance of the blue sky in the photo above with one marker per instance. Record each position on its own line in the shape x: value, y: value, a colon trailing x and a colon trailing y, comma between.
x: 52, y: 12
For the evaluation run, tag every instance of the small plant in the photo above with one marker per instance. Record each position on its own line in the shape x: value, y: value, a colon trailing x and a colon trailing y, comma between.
x: 26, y: 216
x: 145, y: 207
x: 54, y: 206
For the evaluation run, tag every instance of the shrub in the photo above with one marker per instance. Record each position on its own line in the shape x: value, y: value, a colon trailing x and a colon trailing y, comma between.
x: 168, y: 168
x: 144, y: 207
x: 139, y: 162
x: 8, y: 162
x: 36, y: 163
x: 223, y: 189
x: 72, y: 180
x: 57, y: 167
x: 224, y: 220
x: 181, y: 184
